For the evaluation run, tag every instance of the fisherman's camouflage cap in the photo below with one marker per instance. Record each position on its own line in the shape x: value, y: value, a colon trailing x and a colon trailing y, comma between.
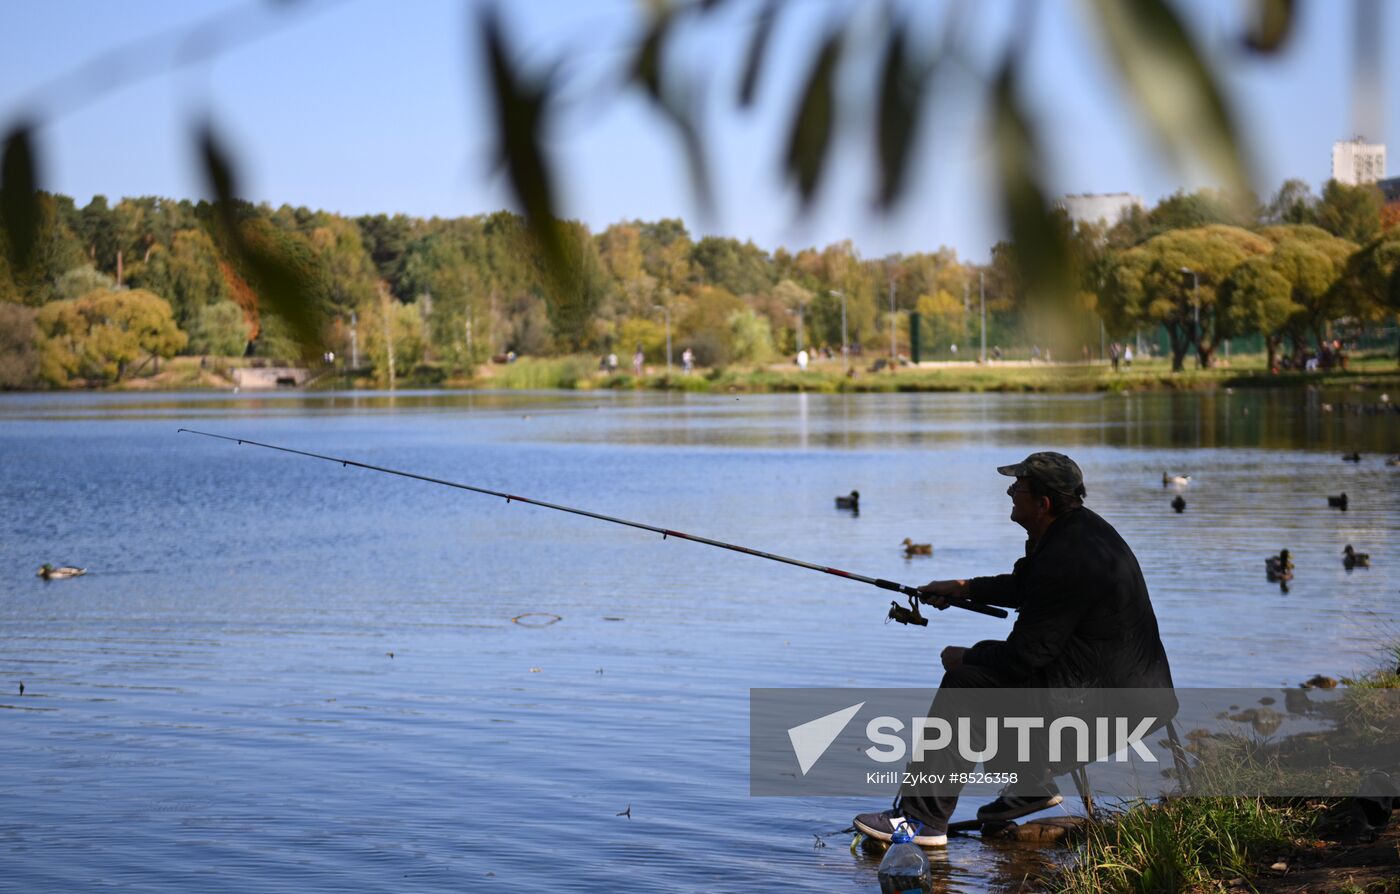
x: 1054, y: 470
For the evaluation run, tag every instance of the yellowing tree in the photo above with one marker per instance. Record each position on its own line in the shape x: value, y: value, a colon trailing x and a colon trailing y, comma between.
x: 944, y: 318
x: 98, y: 335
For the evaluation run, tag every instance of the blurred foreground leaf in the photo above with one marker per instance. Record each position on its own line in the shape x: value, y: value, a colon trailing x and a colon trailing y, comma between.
x: 1042, y: 253
x: 677, y: 103
x: 902, y: 86
x: 287, y: 287
x: 809, y: 139
x: 1273, y: 22
x: 19, y: 200
x: 520, y: 110
x: 758, y: 48
x: 1172, y: 85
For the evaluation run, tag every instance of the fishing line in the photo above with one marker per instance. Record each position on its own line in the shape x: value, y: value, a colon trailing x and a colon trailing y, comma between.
x: 908, y: 616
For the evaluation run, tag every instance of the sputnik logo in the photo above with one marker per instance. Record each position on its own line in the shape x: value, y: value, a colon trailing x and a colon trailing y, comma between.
x: 810, y: 740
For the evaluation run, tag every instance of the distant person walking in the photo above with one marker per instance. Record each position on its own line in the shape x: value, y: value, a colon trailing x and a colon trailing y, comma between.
x: 638, y: 359
x: 1128, y: 356
x: 802, y: 360
x: 1113, y: 355
x: 687, y: 360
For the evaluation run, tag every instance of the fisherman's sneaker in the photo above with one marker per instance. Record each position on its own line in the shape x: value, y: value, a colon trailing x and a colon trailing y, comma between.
x: 1008, y: 806
x: 881, y: 826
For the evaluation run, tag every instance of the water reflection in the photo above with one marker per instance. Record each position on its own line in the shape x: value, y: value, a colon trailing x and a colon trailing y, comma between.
x: 220, y: 684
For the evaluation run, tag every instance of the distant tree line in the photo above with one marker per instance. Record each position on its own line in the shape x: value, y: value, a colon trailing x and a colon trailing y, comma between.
x: 110, y: 289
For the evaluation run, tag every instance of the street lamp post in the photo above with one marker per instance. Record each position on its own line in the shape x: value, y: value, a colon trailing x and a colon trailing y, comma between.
x: 894, y: 355
x: 798, y: 313
x: 845, y: 349
x: 667, y: 311
x: 982, y: 297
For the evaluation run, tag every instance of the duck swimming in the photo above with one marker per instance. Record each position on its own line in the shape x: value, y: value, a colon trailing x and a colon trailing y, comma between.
x: 1353, y: 457
x: 1353, y: 559
x: 1279, y: 568
x: 48, y: 572
x: 1338, y: 502
x: 917, y: 549
x: 849, y: 502
x: 1175, y: 480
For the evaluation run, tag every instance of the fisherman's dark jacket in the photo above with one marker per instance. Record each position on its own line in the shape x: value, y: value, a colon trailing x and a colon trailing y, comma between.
x: 1083, y: 615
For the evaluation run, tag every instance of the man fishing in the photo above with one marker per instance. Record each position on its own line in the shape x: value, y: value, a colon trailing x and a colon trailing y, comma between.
x: 1084, y: 620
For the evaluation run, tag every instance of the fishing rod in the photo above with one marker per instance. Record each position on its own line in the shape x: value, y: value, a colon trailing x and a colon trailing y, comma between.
x: 898, y: 612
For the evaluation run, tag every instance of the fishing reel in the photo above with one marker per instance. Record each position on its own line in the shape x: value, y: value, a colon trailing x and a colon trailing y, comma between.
x: 908, y: 615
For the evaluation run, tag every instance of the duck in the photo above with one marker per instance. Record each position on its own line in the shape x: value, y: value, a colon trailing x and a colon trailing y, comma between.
x: 1339, y: 502
x: 48, y: 572
x: 1279, y: 568
x: 849, y: 502
x: 917, y: 549
x: 1175, y: 480
x: 1393, y: 461
x: 1353, y: 559
x: 1352, y: 457
x: 1179, y: 503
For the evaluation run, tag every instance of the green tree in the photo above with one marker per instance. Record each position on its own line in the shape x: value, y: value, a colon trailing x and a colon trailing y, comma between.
x: 220, y: 329
x: 352, y: 277
x: 386, y: 238
x: 1171, y: 280
x: 1350, y: 212
x: 97, y: 229
x: 1255, y: 298
x: 643, y: 331
x: 1186, y: 211
x: 100, y: 334
x: 739, y: 267
x: 705, y: 325
x: 79, y: 281
x: 19, y: 357
x: 188, y: 273
x: 943, y: 318
x: 1369, y: 287
x: 574, y: 298
x: 56, y: 251
x: 790, y: 302
x: 1294, y: 203
x: 1311, y: 261
x: 750, y: 337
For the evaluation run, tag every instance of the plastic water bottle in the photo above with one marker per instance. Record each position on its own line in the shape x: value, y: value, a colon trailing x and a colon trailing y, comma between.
x: 905, y: 869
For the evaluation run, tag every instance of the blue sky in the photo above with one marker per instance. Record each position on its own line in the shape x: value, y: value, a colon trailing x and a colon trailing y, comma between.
x: 366, y: 106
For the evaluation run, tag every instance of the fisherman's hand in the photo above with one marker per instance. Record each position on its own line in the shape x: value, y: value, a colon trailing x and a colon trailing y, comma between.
x: 953, y: 657
x: 936, y: 593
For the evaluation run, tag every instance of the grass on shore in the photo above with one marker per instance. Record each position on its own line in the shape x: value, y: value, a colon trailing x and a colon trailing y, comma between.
x: 1181, y: 844
x: 1199, y: 843
x: 1376, y: 369
x: 581, y: 373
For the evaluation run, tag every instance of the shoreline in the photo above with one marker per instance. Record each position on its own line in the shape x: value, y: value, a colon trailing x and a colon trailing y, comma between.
x: 580, y: 374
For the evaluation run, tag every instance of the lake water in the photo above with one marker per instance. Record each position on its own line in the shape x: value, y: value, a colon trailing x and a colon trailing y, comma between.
x: 280, y: 674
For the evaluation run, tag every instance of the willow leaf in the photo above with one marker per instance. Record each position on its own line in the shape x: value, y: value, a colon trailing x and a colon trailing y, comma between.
x: 758, y: 48
x: 520, y: 109
x: 1041, y: 250
x: 809, y: 139
x: 1172, y: 85
x: 675, y: 102
x: 902, y: 87
x: 1273, y: 23
x: 285, y: 289
x: 19, y: 198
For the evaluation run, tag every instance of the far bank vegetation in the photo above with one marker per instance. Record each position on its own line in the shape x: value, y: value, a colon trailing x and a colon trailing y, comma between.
x: 115, y: 289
